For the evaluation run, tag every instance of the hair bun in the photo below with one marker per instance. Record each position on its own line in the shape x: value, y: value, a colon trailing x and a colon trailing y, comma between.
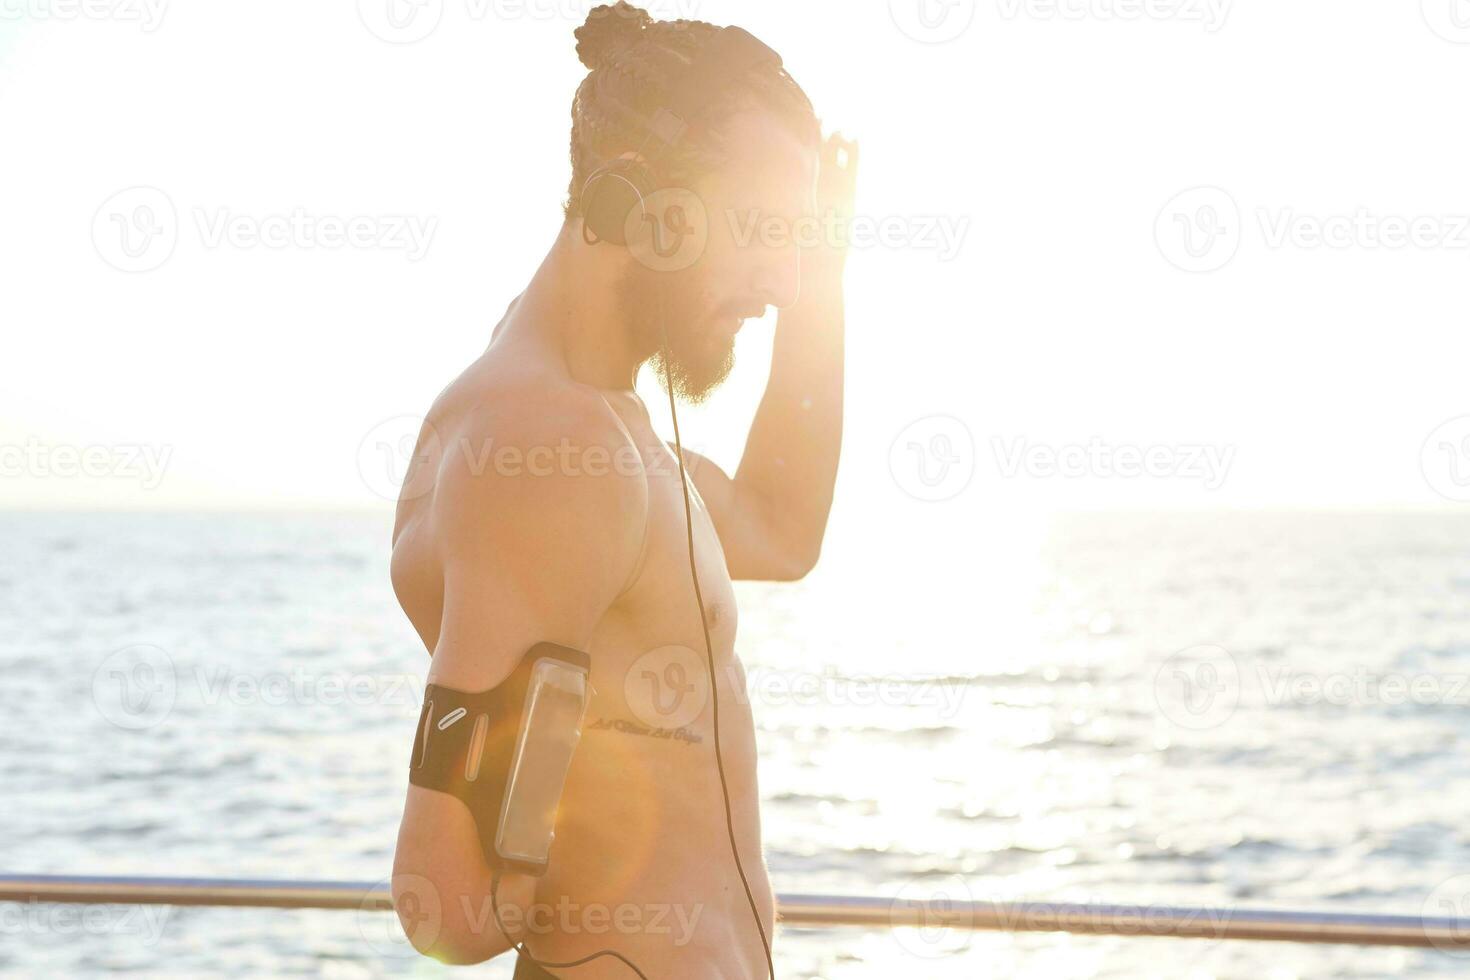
x: 610, y: 30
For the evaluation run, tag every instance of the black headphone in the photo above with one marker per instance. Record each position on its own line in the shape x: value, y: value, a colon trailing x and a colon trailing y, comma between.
x: 620, y: 188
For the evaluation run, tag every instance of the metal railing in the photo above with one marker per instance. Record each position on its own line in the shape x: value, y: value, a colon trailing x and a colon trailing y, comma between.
x: 813, y: 911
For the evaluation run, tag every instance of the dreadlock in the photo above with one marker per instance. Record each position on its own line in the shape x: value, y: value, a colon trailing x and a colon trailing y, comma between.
x: 631, y: 60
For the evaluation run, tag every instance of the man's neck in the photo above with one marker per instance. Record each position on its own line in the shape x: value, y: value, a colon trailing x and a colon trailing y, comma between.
x: 571, y: 307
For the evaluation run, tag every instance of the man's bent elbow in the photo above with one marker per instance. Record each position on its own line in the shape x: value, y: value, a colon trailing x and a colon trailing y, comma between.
x: 797, y: 563
x: 437, y: 929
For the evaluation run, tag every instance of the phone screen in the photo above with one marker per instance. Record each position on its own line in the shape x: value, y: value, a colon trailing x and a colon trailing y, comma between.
x: 555, y: 703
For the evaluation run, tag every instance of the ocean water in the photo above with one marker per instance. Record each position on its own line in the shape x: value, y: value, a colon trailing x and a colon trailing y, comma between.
x: 1233, y: 710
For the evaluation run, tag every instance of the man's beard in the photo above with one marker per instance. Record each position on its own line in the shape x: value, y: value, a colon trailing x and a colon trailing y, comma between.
x: 667, y: 313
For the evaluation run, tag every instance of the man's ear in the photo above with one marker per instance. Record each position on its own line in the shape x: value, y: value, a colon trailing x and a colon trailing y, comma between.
x: 673, y: 230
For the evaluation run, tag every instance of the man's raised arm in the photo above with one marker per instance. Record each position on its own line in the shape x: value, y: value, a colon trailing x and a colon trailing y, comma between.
x: 772, y: 515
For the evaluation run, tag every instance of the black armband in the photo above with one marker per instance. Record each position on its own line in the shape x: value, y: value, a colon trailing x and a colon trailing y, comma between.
x: 506, y: 752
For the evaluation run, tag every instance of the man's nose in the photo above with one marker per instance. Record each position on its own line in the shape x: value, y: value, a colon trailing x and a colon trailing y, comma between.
x: 778, y: 277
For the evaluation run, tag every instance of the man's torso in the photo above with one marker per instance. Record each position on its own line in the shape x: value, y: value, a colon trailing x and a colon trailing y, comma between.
x: 641, y: 862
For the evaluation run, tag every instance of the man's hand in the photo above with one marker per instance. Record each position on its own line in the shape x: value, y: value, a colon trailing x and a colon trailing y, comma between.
x: 837, y: 169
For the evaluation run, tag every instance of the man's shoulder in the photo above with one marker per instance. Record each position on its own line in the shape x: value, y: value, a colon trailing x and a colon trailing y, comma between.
x: 515, y: 407
x: 523, y: 438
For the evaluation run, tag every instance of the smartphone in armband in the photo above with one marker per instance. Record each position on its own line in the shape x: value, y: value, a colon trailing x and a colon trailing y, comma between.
x: 551, y: 727
x: 507, y: 752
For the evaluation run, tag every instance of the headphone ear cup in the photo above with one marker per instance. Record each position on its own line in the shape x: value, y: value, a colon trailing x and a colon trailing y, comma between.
x: 613, y: 198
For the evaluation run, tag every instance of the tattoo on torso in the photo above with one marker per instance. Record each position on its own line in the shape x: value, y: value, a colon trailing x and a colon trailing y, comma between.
x: 626, y: 727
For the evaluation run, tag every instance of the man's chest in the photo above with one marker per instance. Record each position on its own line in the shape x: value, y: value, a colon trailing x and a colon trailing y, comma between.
x: 662, y: 592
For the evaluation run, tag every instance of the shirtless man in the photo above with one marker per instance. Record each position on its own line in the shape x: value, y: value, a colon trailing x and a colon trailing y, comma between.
x: 542, y: 506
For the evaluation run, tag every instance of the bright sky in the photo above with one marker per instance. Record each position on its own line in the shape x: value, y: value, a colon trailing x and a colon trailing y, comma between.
x: 1097, y: 310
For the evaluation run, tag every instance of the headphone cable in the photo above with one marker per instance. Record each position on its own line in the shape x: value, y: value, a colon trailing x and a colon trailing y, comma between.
x: 709, y: 647
x: 520, y: 947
